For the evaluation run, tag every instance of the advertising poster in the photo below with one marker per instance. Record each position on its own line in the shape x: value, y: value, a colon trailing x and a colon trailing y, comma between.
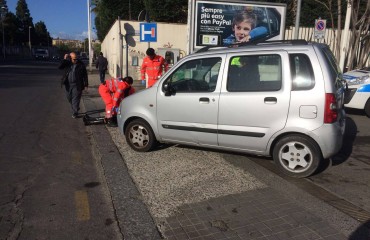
x: 218, y: 23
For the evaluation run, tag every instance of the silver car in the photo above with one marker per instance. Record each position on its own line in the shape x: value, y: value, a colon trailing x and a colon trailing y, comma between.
x: 279, y: 99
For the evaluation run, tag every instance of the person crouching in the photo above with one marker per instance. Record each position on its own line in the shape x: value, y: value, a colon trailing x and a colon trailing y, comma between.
x: 113, y: 91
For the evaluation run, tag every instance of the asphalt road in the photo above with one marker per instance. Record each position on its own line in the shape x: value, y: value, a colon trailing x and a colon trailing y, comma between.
x: 51, y: 184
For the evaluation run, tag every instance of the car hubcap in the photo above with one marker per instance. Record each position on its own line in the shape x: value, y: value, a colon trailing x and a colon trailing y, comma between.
x: 139, y: 136
x: 295, y: 157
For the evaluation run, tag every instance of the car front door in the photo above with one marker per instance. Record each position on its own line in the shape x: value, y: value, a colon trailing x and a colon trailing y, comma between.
x: 254, y: 100
x: 187, y: 102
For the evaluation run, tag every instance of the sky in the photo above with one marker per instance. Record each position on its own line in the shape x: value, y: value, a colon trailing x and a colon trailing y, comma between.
x: 66, y: 19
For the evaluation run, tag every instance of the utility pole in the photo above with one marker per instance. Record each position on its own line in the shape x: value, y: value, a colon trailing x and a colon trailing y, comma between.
x: 29, y: 39
x: 89, y: 33
x: 344, y: 38
x: 297, y: 18
x: 129, y: 10
x: 3, y: 10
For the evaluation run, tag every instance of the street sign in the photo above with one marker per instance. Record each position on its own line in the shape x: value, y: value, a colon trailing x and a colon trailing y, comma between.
x: 320, y: 26
x: 148, y: 32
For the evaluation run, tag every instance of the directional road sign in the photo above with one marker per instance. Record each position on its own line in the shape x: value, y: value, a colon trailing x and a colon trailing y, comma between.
x: 148, y: 32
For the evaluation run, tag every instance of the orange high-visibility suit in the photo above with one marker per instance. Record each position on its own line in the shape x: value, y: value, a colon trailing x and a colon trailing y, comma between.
x: 153, y: 68
x: 113, y: 92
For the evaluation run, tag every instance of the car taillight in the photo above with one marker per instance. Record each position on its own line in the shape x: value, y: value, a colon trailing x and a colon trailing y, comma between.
x: 331, y: 114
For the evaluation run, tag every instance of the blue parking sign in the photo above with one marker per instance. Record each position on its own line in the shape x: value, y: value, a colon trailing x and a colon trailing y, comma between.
x: 148, y: 32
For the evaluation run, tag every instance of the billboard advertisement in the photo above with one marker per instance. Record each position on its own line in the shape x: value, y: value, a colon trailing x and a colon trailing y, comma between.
x: 220, y: 23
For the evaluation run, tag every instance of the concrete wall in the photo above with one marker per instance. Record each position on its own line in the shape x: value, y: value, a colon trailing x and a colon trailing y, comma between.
x: 173, y: 36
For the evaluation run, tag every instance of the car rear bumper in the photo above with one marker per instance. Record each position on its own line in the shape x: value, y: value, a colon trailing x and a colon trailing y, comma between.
x: 330, y: 137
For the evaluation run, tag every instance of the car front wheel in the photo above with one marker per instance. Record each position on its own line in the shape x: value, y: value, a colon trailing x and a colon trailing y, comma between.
x: 297, y: 156
x: 139, y: 135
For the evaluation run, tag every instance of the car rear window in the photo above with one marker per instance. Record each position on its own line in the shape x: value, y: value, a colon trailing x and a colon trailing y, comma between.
x: 334, y: 70
x: 302, y: 72
x: 254, y: 73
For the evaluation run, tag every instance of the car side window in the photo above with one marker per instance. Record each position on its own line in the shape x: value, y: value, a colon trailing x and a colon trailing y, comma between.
x: 254, y: 73
x: 199, y: 75
x: 302, y: 72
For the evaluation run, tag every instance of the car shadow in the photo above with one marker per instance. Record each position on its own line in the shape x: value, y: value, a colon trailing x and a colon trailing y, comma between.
x: 354, y: 111
x: 226, y: 153
x: 348, y: 140
x: 362, y: 232
x: 161, y: 146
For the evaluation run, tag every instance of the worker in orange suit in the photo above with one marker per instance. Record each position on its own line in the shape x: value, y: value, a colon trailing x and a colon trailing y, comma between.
x: 154, y: 66
x: 113, y: 91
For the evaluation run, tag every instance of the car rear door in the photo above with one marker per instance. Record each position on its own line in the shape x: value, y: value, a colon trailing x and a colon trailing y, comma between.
x: 254, y: 99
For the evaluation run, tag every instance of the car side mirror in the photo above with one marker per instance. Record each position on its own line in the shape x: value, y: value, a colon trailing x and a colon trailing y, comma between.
x: 168, y: 89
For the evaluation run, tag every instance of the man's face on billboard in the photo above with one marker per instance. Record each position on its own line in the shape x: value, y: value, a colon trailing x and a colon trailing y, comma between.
x: 241, y: 31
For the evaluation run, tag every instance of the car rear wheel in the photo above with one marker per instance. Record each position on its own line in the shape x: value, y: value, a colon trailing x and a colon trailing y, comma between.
x: 139, y: 135
x: 297, y: 156
x: 367, y: 108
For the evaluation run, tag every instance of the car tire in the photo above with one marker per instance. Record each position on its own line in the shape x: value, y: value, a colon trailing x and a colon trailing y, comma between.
x: 297, y: 156
x: 367, y: 108
x: 139, y: 135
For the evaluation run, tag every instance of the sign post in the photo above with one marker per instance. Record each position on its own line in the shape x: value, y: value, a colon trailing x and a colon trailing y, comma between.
x: 148, y: 33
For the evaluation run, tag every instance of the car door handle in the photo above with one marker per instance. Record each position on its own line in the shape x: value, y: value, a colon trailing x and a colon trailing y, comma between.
x: 270, y: 100
x: 204, y: 100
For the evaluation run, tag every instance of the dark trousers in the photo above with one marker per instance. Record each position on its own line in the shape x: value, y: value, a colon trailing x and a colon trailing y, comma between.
x: 74, y: 98
x: 102, y: 76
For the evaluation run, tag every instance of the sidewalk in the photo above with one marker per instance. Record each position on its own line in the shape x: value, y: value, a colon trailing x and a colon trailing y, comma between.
x: 265, y: 213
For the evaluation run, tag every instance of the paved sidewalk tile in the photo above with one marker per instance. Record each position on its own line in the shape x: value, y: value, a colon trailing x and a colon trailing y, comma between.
x: 259, y: 214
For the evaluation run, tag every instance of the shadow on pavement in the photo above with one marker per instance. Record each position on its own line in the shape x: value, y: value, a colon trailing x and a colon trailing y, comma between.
x: 361, y: 233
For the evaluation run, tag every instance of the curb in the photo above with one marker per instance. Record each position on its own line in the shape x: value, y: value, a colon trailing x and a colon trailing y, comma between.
x: 132, y: 215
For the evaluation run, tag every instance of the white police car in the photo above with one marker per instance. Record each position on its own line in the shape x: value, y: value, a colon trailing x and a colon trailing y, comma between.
x: 359, y: 89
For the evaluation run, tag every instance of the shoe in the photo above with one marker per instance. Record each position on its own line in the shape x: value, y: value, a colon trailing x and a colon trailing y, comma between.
x: 111, y: 123
x: 74, y: 115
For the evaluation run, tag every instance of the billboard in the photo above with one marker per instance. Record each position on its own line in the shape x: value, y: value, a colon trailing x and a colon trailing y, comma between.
x: 220, y: 23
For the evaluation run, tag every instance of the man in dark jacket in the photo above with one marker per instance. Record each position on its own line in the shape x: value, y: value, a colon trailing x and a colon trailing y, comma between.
x: 74, y: 79
x: 102, y: 64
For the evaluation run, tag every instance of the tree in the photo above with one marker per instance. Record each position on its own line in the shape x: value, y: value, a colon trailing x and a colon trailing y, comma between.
x: 328, y: 6
x: 3, y: 14
x: 333, y: 11
x: 42, y: 36
x: 25, y: 20
x: 360, y: 39
x: 108, y: 11
x: 12, y: 32
x: 174, y: 11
